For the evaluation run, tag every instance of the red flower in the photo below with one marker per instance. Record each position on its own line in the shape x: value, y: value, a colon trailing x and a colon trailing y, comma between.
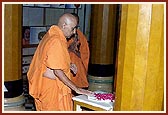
x: 104, y: 96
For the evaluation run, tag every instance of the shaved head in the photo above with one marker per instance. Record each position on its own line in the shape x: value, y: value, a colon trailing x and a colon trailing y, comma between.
x: 67, y: 19
x: 67, y: 23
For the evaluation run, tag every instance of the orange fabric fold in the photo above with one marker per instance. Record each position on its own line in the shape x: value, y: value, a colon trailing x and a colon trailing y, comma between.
x: 51, y: 52
x: 80, y: 79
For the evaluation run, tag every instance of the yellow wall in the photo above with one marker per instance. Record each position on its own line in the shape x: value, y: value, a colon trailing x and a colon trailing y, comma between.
x: 12, y: 42
x: 140, y: 71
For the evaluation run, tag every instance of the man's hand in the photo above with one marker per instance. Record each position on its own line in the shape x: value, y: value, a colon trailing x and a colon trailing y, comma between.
x: 73, y: 68
x: 84, y: 91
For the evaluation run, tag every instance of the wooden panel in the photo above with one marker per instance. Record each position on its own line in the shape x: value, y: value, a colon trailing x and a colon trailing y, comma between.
x: 140, y: 75
x: 102, y: 33
x: 12, y: 42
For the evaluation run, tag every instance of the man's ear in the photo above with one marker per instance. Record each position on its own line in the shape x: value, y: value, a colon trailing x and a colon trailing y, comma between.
x: 63, y: 26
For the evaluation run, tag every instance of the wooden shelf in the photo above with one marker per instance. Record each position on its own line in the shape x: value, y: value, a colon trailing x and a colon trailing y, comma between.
x: 24, y: 73
x: 30, y: 46
x: 25, y: 64
x: 28, y: 55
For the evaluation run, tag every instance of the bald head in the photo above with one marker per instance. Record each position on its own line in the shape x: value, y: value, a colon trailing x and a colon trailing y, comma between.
x: 66, y: 23
x: 67, y: 19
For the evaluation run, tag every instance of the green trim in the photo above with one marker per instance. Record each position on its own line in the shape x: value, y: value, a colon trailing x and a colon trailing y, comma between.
x: 101, y: 81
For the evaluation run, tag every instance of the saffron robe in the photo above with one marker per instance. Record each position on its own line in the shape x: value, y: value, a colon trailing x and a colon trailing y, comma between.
x: 52, y: 52
x: 80, y: 79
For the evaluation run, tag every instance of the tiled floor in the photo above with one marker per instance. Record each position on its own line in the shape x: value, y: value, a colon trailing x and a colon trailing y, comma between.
x: 29, y: 101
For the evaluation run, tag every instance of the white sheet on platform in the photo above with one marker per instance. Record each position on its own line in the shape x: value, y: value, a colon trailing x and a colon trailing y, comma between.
x: 104, y: 105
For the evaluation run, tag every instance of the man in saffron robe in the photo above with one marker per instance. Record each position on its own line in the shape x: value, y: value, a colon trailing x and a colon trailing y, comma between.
x: 52, y: 55
x: 79, y: 55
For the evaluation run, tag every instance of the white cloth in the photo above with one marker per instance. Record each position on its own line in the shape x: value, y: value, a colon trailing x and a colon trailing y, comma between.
x: 5, y: 89
x: 104, y: 105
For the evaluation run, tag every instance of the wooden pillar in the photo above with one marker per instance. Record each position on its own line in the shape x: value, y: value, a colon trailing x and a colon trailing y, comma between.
x: 101, y: 65
x: 140, y: 75
x: 12, y: 55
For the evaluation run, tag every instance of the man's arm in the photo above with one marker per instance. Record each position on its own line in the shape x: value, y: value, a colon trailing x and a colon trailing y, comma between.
x: 50, y: 74
x: 60, y: 74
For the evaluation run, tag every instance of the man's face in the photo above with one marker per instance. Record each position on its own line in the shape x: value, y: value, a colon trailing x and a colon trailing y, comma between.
x: 70, y: 29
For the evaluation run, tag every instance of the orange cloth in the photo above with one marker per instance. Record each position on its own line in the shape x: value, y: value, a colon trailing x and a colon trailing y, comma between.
x: 51, y: 52
x: 82, y: 63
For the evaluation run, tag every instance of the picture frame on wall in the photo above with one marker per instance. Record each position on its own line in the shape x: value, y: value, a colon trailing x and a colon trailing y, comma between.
x: 43, y: 5
x: 73, y: 6
x: 57, y: 5
x: 25, y: 35
x: 34, y: 34
x: 28, y: 4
